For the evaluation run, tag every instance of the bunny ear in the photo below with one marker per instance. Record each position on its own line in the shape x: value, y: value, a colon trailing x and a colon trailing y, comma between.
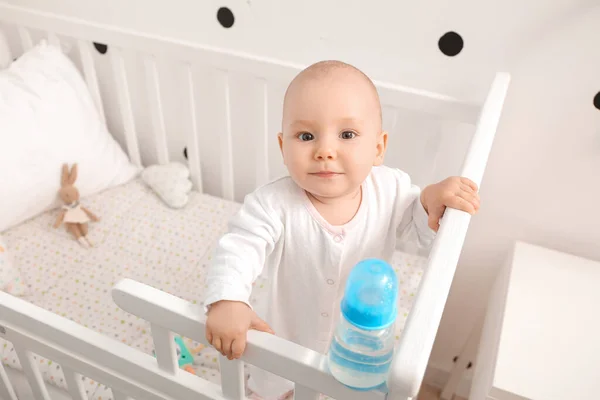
x: 64, y: 179
x: 73, y: 174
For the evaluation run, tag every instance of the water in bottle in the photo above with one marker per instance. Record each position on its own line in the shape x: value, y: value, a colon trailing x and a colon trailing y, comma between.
x: 362, y: 347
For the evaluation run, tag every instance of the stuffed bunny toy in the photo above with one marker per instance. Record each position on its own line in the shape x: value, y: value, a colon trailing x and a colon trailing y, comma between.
x: 73, y: 214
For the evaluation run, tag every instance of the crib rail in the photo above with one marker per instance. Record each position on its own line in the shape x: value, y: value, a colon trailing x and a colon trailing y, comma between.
x: 132, y: 374
x: 422, y: 323
x: 305, y: 367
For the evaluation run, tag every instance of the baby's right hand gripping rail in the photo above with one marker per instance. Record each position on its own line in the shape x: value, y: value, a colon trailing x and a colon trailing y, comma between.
x: 421, y: 327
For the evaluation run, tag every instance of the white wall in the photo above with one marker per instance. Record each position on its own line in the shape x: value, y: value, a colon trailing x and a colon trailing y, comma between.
x: 541, y: 184
x: 540, y: 180
x: 390, y: 40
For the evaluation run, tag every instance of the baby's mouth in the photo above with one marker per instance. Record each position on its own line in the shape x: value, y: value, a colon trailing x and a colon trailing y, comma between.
x: 326, y: 174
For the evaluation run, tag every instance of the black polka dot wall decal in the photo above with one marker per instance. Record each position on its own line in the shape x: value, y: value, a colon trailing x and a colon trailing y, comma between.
x: 597, y: 101
x: 185, y: 152
x: 225, y: 17
x: 102, y: 48
x: 451, y: 43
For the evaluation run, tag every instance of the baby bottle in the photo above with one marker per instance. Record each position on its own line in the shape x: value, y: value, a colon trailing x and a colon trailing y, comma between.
x: 362, y: 348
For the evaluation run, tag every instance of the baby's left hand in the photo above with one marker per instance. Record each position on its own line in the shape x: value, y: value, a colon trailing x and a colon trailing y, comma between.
x: 454, y: 192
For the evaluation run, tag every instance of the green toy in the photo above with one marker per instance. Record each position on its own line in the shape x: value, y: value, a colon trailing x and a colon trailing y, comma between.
x: 185, y: 359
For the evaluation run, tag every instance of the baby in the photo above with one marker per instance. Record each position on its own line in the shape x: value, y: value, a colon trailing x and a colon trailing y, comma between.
x: 338, y: 206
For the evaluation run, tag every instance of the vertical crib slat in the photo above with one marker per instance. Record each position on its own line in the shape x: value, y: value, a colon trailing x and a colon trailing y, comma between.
x: 74, y: 384
x: 91, y: 78
x: 118, y: 64
x: 26, y: 40
x: 227, y: 184
x: 53, y: 39
x: 33, y: 374
x: 6, y: 389
x: 232, y: 378
x: 262, y: 152
x: 192, y: 140
x: 390, y: 118
x: 156, y: 110
x: 304, y: 393
x: 164, y: 346
x: 394, y: 120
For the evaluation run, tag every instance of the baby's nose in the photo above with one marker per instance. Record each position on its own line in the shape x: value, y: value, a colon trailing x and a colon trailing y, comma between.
x: 325, y: 153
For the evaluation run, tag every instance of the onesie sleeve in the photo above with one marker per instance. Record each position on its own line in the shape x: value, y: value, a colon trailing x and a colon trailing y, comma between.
x: 412, y: 217
x: 241, y: 252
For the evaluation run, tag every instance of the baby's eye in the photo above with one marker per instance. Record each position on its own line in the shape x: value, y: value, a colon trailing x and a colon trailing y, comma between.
x: 306, y: 136
x: 348, y: 135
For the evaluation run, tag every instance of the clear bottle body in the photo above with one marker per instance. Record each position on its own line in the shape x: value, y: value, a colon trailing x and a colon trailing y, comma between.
x: 361, y: 358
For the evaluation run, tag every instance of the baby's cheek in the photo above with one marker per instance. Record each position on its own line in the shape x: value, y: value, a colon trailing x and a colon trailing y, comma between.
x: 297, y: 163
x: 300, y: 158
x: 364, y: 155
x: 360, y: 166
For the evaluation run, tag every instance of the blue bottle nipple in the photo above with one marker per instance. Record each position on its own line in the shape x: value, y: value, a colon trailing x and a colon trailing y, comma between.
x: 371, y: 295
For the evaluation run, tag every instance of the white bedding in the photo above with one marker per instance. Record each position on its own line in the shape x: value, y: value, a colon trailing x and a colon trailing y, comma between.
x: 138, y: 237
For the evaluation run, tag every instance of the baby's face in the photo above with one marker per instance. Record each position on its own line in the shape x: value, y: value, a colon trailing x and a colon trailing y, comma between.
x: 332, y: 133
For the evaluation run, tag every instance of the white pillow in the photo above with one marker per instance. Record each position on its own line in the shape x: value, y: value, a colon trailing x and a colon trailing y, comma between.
x: 171, y: 182
x: 11, y: 280
x: 48, y: 118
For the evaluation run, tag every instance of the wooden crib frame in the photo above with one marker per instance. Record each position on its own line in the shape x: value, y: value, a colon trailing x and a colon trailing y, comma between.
x: 131, y: 373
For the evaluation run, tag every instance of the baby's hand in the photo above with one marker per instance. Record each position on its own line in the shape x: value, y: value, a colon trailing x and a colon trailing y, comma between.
x: 454, y: 192
x: 227, y: 325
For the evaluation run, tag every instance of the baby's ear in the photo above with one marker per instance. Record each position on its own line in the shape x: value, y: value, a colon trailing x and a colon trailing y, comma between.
x: 280, y: 141
x: 381, y: 148
x: 73, y: 174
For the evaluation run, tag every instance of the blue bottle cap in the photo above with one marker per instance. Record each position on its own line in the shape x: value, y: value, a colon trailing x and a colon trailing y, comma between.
x: 371, y: 295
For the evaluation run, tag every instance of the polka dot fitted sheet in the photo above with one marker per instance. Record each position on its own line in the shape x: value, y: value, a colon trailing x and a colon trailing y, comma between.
x: 138, y: 237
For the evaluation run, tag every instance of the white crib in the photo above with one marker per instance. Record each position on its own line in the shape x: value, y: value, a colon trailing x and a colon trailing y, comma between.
x: 231, y: 172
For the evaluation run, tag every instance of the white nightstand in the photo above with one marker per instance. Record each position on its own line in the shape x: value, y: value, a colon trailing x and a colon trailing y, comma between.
x: 541, y: 335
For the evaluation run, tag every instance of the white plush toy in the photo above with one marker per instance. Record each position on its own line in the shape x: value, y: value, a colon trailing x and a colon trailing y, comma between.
x: 170, y: 182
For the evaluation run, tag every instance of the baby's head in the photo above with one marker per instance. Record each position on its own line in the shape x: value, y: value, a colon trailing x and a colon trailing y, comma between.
x: 332, y: 129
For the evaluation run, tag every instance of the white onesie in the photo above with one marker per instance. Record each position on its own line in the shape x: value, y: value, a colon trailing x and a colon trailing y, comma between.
x: 279, y: 232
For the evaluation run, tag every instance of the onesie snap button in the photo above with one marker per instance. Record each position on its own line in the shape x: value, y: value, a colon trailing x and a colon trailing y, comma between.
x: 338, y: 238
x: 330, y: 281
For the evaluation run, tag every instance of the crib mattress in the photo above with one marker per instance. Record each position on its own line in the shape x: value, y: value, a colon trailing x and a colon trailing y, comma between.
x: 138, y: 237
